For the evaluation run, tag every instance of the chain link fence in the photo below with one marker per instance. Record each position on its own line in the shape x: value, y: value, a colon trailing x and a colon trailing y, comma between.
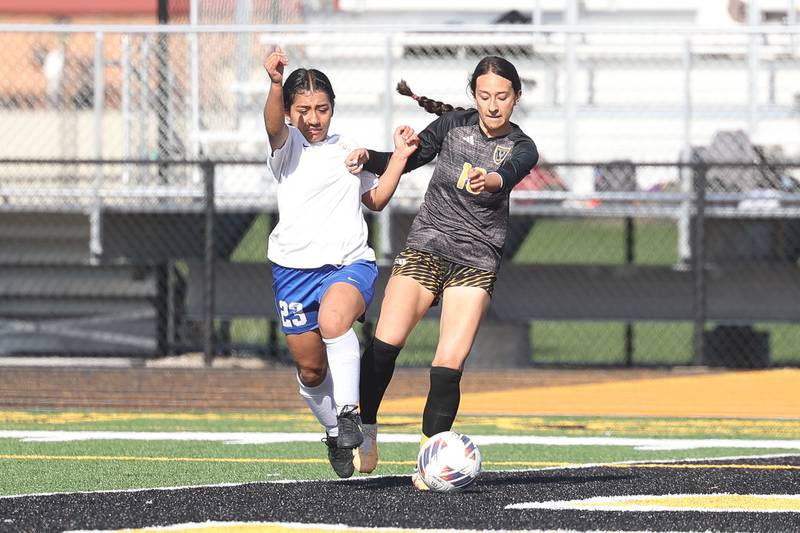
x: 690, y: 258
x: 590, y: 278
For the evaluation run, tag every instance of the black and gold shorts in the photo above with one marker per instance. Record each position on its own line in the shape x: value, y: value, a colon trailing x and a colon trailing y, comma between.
x: 436, y: 274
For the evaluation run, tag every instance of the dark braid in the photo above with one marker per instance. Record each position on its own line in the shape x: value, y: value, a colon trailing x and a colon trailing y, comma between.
x: 431, y: 106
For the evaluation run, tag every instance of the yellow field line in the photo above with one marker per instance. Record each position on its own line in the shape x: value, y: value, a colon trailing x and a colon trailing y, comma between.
x: 239, y: 460
x: 651, y: 427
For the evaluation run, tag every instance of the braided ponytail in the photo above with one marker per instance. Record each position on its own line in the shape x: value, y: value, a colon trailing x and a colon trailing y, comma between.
x: 431, y: 106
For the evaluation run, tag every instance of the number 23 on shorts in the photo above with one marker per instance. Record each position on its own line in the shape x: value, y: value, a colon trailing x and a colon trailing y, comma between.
x: 289, y: 309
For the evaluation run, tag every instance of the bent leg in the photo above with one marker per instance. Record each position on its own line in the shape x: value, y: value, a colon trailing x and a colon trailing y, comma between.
x: 341, y: 305
x: 316, y: 385
x: 404, y: 304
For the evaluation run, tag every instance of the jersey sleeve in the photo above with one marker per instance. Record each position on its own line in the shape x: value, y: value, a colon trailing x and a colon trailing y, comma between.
x: 430, y: 142
x: 285, y: 157
x: 368, y: 181
x: 524, y: 156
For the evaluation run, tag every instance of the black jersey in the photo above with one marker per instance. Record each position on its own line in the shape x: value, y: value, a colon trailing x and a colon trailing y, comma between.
x: 453, y: 221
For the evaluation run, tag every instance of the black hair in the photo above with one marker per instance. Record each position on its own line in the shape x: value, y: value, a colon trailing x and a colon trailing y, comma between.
x: 494, y: 64
x: 431, y: 106
x: 306, y: 80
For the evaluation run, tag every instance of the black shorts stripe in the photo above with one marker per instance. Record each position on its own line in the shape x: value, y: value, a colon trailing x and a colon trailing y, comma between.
x: 436, y: 274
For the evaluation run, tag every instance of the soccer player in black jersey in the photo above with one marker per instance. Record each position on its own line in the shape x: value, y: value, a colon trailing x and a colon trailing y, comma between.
x: 455, y: 244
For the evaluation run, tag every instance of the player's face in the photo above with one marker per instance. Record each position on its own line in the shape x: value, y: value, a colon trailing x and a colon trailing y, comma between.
x: 495, y: 99
x: 311, y: 113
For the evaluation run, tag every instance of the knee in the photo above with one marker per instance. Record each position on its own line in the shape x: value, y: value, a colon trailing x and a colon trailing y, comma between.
x: 453, y: 359
x: 311, y: 375
x: 333, y: 323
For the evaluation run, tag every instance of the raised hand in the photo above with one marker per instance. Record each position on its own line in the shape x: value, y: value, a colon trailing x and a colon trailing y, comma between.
x: 405, y: 141
x: 274, y: 65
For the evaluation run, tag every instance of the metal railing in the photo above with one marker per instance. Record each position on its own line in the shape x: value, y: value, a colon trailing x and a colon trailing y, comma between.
x: 132, y: 92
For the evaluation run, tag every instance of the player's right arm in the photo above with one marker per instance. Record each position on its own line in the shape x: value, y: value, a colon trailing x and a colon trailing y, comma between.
x: 274, y: 113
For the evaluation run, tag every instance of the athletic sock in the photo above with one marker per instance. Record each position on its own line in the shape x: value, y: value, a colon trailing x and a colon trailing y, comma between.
x: 377, y: 369
x: 320, y: 400
x: 444, y: 396
x: 344, y: 353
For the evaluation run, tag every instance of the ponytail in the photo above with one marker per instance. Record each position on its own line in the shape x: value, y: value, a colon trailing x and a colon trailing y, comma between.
x: 497, y: 65
x: 431, y: 106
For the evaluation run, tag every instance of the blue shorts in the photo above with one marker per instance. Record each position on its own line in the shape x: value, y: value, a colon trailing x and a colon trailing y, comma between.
x: 298, y: 291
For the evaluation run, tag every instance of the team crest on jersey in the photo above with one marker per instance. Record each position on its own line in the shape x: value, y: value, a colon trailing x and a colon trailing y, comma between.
x: 500, y: 153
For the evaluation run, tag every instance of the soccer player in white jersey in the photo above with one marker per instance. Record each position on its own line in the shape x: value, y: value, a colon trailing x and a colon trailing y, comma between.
x: 323, y: 270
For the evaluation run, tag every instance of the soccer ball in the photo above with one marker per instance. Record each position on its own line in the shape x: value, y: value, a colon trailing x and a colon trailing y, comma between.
x: 449, y: 461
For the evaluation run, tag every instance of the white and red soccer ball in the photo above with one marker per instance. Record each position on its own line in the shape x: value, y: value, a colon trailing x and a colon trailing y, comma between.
x: 449, y: 461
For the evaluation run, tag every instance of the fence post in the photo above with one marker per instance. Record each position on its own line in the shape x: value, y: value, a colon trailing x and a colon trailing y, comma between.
x: 699, y: 262
x: 125, y: 105
x: 630, y: 242
x: 163, y: 92
x: 98, y: 103
x: 209, y: 279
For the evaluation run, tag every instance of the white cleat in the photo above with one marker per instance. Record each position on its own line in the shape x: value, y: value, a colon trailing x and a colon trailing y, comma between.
x: 365, y: 457
x: 417, y: 481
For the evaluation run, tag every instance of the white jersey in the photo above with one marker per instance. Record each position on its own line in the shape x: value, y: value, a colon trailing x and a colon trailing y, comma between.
x: 319, y: 204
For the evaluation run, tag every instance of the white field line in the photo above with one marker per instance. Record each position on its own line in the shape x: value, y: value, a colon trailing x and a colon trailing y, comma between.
x: 644, y: 444
x: 377, y: 476
x: 634, y: 462
x: 606, y: 503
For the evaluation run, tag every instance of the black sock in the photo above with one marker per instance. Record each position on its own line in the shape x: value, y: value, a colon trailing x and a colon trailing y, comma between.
x: 377, y: 369
x: 443, y: 399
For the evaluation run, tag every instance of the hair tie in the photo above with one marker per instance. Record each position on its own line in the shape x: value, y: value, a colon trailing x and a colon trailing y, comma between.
x: 405, y: 90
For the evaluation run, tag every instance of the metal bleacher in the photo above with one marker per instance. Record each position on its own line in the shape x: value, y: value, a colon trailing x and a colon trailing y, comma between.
x: 53, y: 301
x: 102, y: 280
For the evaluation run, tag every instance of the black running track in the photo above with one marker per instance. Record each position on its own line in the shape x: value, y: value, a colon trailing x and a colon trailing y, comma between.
x: 392, y: 502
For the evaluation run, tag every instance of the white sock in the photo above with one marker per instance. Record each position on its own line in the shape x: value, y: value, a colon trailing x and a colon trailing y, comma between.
x: 320, y: 400
x: 344, y: 363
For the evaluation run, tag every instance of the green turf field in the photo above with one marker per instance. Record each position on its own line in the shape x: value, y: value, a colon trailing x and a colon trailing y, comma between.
x: 174, y: 459
x: 550, y: 240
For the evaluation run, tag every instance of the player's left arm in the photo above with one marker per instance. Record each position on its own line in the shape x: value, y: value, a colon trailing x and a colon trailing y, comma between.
x: 523, y: 157
x: 405, y: 144
x: 430, y: 142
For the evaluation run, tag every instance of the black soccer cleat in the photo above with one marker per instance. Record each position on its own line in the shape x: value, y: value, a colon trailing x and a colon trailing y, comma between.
x: 350, y: 430
x: 341, y: 459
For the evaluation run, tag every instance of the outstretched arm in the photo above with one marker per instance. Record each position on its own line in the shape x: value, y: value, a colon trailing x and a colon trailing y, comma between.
x: 405, y: 144
x: 430, y: 142
x: 274, y: 113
